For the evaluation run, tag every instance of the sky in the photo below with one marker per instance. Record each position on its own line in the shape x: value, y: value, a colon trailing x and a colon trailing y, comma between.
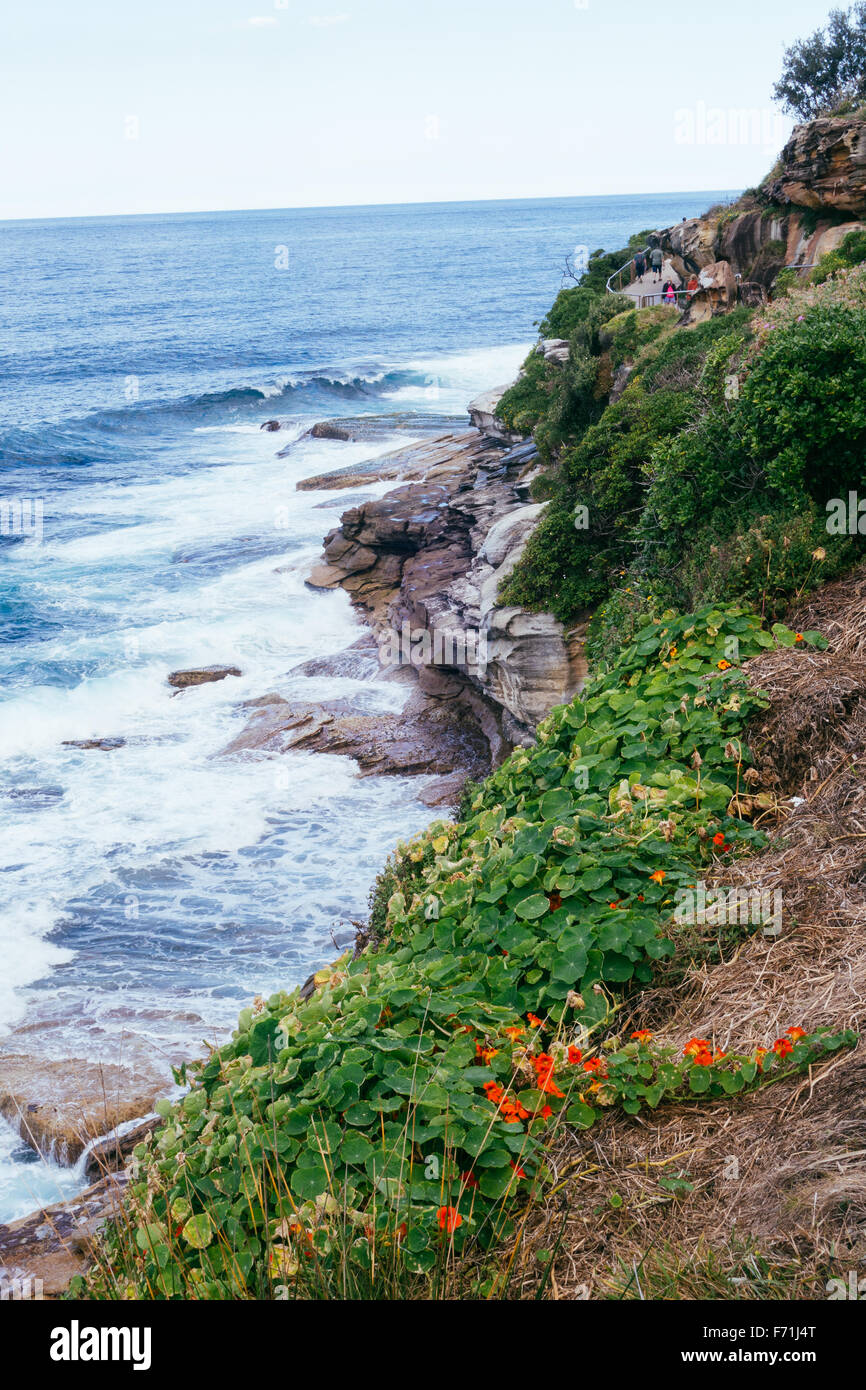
x: 149, y: 106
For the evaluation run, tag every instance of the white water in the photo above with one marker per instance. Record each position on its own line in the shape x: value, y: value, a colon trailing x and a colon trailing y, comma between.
x: 150, y: 891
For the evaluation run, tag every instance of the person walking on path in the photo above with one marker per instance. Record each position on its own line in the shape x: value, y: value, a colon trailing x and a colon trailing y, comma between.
x: 656, y: 261
x: 670, y: 293
x: 639, y: 265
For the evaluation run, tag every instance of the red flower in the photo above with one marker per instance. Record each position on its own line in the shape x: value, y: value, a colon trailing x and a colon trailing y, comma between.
x: 796, y: 1033
x: 782, y: 1046
x: 596, y: 1066
x: 696, y: 1045
x: 534, y: 1021
x: 555, y: 901
x: 719, y: 839
x: 703, y: 1059
x: 574, y: 1055
x: 400, y: 1233
x: 545, y: 1112
x: 449, y: 1219
x: 518, y: 1170
x: 642, y: 1035
x: 469, y: 1179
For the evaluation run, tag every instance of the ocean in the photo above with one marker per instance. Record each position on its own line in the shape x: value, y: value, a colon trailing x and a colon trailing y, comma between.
x: 146, y: 524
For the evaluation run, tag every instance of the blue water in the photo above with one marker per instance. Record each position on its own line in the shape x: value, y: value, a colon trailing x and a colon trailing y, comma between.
x: 149, y: 891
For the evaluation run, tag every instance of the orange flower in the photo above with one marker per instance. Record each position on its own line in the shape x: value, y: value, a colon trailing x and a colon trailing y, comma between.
x: 486, y: 1053
x: 545, y: 1112
x: 642, y: 1035
x: 696, y: 1045
x: 723, y: 665
x: 703, y: 1059
x: 449, y: 1219
x: 534, y: 1021
x: 400, y: 1233
x: 596, y: 1066
x: 574, y: 1055
x: 513, y: 1033
x: 517, y: 1168
x: 796, y: 1033
x: 798, y: 636
x: 543, y: 1065
x: 612, y: 905
x: 658, y: 876
x: 759, y: 1057
x: 782, y: 1046
x: 719, y: 838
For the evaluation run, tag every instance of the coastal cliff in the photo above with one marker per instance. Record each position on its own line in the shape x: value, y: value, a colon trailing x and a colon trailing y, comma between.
x: 543, y: 918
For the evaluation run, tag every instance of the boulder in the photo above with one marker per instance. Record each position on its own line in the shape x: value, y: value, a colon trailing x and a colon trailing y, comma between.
x: 717, y: 294
x: 201, y: 675
x: 106, y: 744
x: 555, y: 350
x: 113, y: 1152
x: 271, y: 425
x: 823, y: 166
x: 831, y: 238
x: 481, y: 413
x: 59, y: 1106
x: 52, y: 1245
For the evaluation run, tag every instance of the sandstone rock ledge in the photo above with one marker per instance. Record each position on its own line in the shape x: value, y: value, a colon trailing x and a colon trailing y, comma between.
x: 430, y: 556
x: 59, y: 1106
x: 54, y: 1244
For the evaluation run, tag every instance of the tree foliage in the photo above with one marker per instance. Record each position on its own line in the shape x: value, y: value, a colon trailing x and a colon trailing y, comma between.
x: 828, y: 69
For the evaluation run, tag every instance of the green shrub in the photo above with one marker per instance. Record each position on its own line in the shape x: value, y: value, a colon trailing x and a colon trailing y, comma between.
x: 851, y: 251
x: 398, y: 1113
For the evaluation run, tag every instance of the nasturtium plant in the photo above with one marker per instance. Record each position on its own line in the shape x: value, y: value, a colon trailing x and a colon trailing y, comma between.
x: 409, y: 1100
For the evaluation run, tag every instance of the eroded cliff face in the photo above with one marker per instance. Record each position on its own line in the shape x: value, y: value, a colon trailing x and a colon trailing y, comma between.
x: 429, y: 558
x: 823, y: 166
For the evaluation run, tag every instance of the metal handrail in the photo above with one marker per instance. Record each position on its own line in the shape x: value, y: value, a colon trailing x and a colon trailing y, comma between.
x: 628, y: 264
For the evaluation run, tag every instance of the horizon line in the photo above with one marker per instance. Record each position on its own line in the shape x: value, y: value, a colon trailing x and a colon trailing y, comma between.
x: 345, y: 207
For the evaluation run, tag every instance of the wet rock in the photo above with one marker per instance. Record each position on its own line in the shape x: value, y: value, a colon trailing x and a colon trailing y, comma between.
x: 419, y: 738
x: 59, y: 1106
x: 55, y: 1244
x: 329, y: 429
x: 419, y: 460
x: 106, y: 744
x: 443, y: 791
x: 201, y: 675
x: 271, y: 426
x: 359, y: 662
x: 113, y: 1152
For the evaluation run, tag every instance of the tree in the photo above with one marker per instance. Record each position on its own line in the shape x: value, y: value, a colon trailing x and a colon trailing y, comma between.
x: 827, y: 69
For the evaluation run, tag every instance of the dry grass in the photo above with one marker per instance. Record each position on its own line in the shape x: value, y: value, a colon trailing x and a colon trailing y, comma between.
x: 778, y: 1199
